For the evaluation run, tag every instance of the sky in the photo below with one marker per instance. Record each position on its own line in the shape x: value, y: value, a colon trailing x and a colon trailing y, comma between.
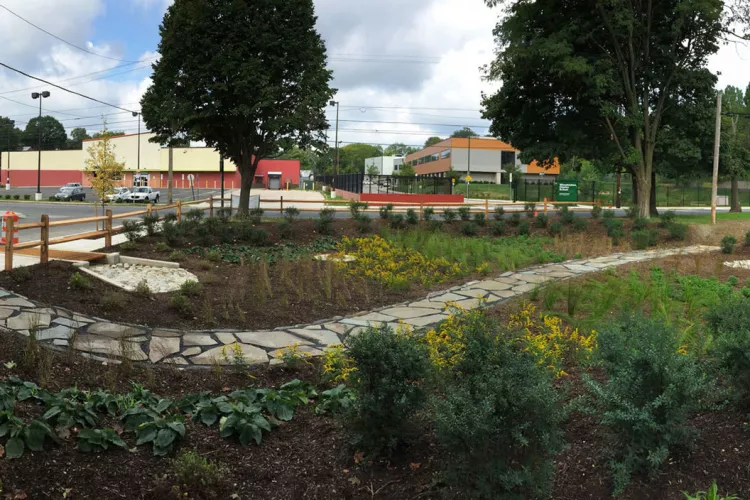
x: 404, y: 69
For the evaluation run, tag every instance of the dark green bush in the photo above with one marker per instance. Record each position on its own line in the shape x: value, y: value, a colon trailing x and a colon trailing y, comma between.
x: 631, y: 212
x: 608, y: 214
x: 396, y: 221
x: 291, y: 213
x: 677, y: 231
x: 667, y: 218
x: 523, y: 228
x: 285, y: 229
x: 389, y: 383
x: 730, y: 324
x: 436, y: 225
x: 259, y: 238
x: 480, y: 219
x: 499, y: 213
x: 529, y: 208
x: 428, y: 213
x: 27, y: 197
x: 615, y: 230
x: 194, y: 214
x: 727, y: 244
x: 385, y: 211
x: 596, y: 212
x: 470, y: 229
x: 363, y: 223
x: 500, y: 420
x: 566, y: 215
x: 412, y: 217
x: 170, y: 217
x: 325, y: 221
x: 170, y: 232
x: 541, y: 221
x: 464, y: 213
x: 149, y: 222
x: 640, y: 223
x: 449, y: 215
x: 132, y: 229
x: 580, y: 224
x: 356, y: 207
x: 555, y: 229
x: 498, y: 228
x: 747, y: 238
x: 650, y: 393
x: 515, y: 218
x: 255, y: 214
x: 644, y: 238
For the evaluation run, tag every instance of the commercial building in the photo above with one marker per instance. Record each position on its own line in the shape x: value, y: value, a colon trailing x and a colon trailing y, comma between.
x: 386, y: 165
x: 144, y: 165
x: 482, y: 157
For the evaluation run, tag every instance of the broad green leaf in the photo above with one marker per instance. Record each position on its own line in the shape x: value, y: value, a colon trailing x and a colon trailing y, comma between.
x: 146, y: 435
x: 209, y: 417
x: 14, y: 448
x: 163, y: 442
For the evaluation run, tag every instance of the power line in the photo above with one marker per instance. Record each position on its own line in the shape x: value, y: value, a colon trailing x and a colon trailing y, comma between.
x: 32, y: 106
x: 62, y: 39
x: 413, y: 123
x: 63, y: 88
x: 406, y: 107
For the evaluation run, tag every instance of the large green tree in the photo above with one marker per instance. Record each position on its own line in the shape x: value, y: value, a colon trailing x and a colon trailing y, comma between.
x: 591, y: 77
x: 399, y: 149
x: 77, y: 136
x: 10, y: 136
x: 247, y: 77
x: 352, y: 157
x: 464, y: 133
x: 53, y: 133
x: 735, y: 151
x: 432, y: 140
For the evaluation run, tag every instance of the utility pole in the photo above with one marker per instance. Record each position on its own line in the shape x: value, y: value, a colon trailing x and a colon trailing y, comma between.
x: 336, y: 103
x: 717, y: 147
x: 221, y: 171
x: 468, y: 170
x: 169, y: 177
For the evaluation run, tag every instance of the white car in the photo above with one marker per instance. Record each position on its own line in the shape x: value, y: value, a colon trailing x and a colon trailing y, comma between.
x: 120, y: 194
x: 144, y: 195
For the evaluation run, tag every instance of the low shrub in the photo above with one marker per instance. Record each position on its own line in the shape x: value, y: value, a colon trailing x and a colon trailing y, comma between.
x: 285, y: 229
x: 385, y: 211
x: 179, y: 303
x: 325, y: 221
x: 733, y: 281
x: 523, y: 228
x: 677, y: 231
x: 128, y: 245
x: 194, y: 215
x: 449, y: 215
x: 177, y: 256
x: 580, y: 224
x: 364, y: 224
x: 644, y: 238
x: 470, y: 229
x: 498, y: 228
x: 132, y: 229
x: 197, y: 474
x: 464, y: 213
x: 711, y: 494
x: 566, y: 215
x: 515, y: 218
x: 162, y: 247
x: 112, y: 301
x: 396, y: 221
x: 255, y: 215
x: 729, y: 322
x: 143, y: 289
x: 16, y: 196
x: 608, y: 214
x: 259, y: 238
x: 615, y: 230
x: 631, y: 212
x: 667, y: 218
x: 149, y: 222
x: 727, y: 244
x: 213, y: 255
x: 555, y: 229
x: 27, y: 197
x: 389, y: 383
x: 747, y: 238
x: 20, y: 274
x: 640, y: 223
x: 596, y: 212
x: 541, y: 221
x: 529, y: 208
x: 79, y: 281
x: 480, y: 219
x: 291, y: 213
x: 428, y: 213
x: 411, y: 217
x: 435, y: 225
x: 650, y: 393
x: 191, y: 288
x: 499, y: 213
x: 170, y: 217
x: 356, y: 207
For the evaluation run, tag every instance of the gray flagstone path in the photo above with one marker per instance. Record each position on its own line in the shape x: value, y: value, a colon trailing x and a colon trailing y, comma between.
x: 105, y: 341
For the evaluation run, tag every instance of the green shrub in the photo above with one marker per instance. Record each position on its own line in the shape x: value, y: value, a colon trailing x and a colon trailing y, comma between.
x: 132, y: 229
x: 191, y: 288
x: 730, y: 324
x: 733, y: 281
x: 499, y: 421
x: 16, y: 196
x: 162, y: 247
x: 580, y: 224
x: 449, y: 215
x: 747, y: 238
x: 711, y: 494
x: 555, y: 229
x: 498, y: 228
x: 631, y: 212
x: 396, y: 221
x: 727, y: 244
x: 143, y: 289
x: 197, y: 474
x: 194, y: 215
x: 529, y: 208
x: 356, y: 207
x: 112, y: 301
x: 364, y: 224
x: 325, y: 221
x: 644, y: 238
x: 213, y: 255
x: 667, y: 218
x: 285, y: 229
x: 608, y: 214
x: 411, y: 217
x: 259, y: 238
x: 149, y: 222
x: 385, y: 211
x: 51, y: 198
x: 640, y: 223
x: 499, y: 213
x: 428, y: 213
x: 596, y: 212
x: 179, y: 303
x: 677, y: 231
x: 566, y: 215
x: 515, y: 218
x: 171, y: 232
x: 435, y: 225
x: 464, y: 213
x: 291, y: 213
x: 389, y: 383
x: 78, y: 281
x: 170, y: 217
x: 650, y: 393
x: 177, y: 256
x: 523, y: 228
x: 20, y: 274
x: 255, y: 214
x: 470, y: 229
x: 615, y: 230
x: 128, y: 245
x: 27, y: 197
x: 541, y: 221
x: 480, y: 219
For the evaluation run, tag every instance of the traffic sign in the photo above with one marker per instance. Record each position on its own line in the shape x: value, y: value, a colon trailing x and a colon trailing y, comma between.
x: 468, y: 178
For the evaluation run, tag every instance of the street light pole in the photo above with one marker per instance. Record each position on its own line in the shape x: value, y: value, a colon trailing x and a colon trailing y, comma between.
x: 40, y: 96
x: 138, y: 168
x: 336, y: 103
x: 221, y: 171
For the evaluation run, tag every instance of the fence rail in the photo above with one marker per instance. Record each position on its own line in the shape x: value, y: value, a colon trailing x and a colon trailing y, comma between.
x: 387, y: 184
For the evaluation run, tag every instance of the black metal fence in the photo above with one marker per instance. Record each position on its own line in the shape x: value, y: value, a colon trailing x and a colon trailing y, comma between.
x: 387, y: 184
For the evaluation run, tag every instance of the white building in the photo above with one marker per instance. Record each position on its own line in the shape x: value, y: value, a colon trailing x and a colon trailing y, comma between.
x: 386, y: 165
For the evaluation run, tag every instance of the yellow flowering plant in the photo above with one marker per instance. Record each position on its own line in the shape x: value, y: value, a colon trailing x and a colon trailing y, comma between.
x: 554, y: 344
x: 446, y: 343
x: 338, y: 367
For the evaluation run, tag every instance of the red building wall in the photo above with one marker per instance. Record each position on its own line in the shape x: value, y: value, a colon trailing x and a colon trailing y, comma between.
x: 49, y: 178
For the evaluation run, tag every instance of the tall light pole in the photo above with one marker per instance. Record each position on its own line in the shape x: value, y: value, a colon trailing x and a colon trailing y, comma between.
x: 336, y: 103
x: 138, y: 168
x: 717, y: 149
x: 40, y: 96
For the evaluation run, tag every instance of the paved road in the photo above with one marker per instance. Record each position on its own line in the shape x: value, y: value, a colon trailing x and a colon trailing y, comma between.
x: 177, y: 194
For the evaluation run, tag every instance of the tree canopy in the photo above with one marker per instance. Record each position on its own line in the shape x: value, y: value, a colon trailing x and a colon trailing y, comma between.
x: 599, y: 79
x: 352, y: 157
x: 53, y: 133
x: 432, y: 140
x: 10, y: 135
x: 101, y: 166
x: 399, y: 149
x: 247, y: 77
x: 77, y: 136
x: 464, y: 133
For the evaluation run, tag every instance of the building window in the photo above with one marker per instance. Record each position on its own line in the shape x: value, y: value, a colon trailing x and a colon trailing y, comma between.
x: 507, y: 157
x: 445, y: 154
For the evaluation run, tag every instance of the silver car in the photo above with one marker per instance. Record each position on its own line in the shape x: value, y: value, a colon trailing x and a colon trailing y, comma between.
x: 121, y: 194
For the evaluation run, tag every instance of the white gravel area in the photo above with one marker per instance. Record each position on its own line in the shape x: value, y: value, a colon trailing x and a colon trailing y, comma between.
x: 158, y: 279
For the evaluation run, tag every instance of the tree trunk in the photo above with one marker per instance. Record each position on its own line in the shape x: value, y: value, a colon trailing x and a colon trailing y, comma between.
x: 653, y: 211
x: 643, y: 188
x: 247, y: 167
x: 735, y: 205
x: 169, y: 176
x: 634, y: 181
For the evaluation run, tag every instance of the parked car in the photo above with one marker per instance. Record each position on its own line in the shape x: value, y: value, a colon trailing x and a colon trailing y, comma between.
x: 120, y: 194
x: 144, y: 195
x: 73, y: 185
x: 70, y: 193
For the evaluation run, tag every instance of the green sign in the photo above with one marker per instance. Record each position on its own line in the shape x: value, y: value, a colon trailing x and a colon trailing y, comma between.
x: 567, y: 190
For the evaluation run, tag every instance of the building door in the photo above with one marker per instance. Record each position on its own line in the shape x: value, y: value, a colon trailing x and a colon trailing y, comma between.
x: 274, y: 182
x: 140, y: 180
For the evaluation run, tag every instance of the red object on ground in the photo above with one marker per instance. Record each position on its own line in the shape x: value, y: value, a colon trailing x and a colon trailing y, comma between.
x: 6, y: 216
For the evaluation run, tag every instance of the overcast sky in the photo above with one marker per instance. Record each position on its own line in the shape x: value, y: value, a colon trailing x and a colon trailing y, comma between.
x: 413, y: 63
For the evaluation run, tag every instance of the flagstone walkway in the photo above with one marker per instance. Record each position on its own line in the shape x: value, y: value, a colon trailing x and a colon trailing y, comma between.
x: 103, y: 340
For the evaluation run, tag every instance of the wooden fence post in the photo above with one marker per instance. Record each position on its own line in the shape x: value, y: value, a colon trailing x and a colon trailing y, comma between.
x: 211, y: 206
x: 9, y: 244
x: 149, y: 208
x: 282, y: 205
x: 486, y: 208
x: 179, y: 210
x: 44, y: 247
x: 421, y: 210
x: 545, y: 205
x: 96, y: 213
x: 108, y: 228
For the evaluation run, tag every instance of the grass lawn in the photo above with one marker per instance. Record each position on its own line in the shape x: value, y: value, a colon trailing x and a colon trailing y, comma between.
x: 706, y: 218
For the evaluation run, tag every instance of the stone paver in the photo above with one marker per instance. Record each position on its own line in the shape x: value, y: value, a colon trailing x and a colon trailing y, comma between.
x: 104, y: 341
